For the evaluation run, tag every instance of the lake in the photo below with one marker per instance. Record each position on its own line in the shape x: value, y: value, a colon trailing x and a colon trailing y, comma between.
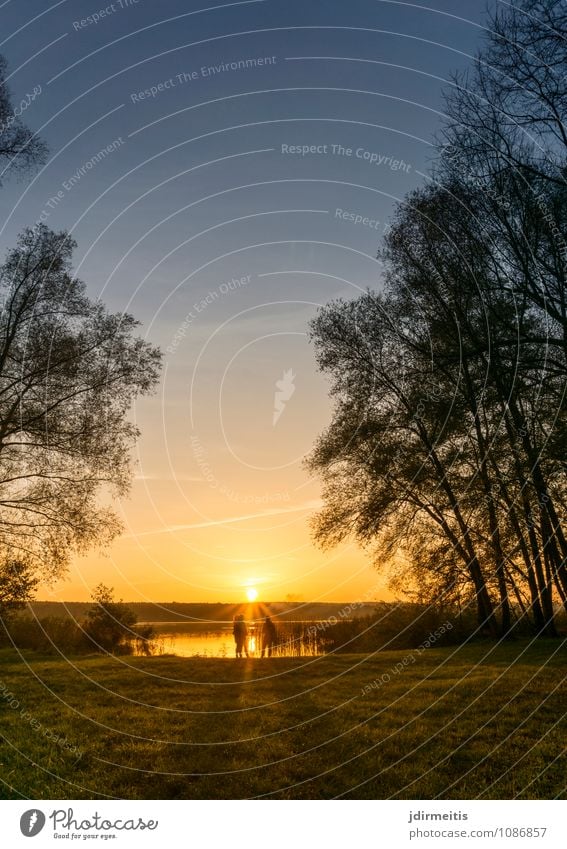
x: 212, y: 639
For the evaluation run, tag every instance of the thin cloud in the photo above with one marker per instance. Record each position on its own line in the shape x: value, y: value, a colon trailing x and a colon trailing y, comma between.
x: 213, y: 523
x: 172, y: 478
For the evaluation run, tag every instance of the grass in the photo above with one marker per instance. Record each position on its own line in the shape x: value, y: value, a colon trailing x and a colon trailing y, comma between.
x: 480, y: 721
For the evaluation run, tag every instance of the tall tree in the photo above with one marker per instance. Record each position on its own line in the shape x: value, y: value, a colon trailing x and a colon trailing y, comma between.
x: 69, y: 371
x: 391, y: 460
x: 446, y: 265
x: 448, y: 441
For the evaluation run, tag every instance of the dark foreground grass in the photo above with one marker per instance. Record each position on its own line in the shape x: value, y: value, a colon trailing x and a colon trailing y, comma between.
x: 480, y: 721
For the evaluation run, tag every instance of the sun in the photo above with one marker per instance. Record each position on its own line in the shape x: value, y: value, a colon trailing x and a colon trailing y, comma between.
x: 251, y: 593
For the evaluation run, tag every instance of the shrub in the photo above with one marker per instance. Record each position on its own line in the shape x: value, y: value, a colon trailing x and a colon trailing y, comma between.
x: 47, y: 635
x: 110, y: 625
x: 396, y: 626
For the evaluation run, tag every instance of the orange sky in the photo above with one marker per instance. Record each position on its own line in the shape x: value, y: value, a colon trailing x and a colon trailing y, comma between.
x: 232, y: 208
x: 212, y: 513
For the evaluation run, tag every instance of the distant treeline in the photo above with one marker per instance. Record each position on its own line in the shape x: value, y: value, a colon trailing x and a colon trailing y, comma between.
x: 194, y: 612
x: 384, y: 626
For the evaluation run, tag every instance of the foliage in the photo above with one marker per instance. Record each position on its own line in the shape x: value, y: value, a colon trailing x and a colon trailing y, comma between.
x: 69, y: 372
x: 110, y: 625
x: 65, y: 636
x: 400, y: 625
x: 50, y: 635
x: 446, y: 452
x: 17, y: 586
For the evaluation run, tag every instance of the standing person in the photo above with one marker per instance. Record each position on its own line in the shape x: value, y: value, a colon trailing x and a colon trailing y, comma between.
x: 268, y: 636
x: 240, y: 632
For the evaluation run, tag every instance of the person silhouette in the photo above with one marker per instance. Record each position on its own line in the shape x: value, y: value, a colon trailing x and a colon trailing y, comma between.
x: 240, y: 632
x: 268, y: 636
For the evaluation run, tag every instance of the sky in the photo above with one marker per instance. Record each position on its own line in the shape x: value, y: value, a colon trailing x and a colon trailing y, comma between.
x: 226, y: 169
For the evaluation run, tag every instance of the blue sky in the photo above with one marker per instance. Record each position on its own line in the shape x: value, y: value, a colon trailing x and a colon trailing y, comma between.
x: 192, y: 210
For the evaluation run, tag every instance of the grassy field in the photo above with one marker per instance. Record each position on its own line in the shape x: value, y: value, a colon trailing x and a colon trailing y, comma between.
x: 481, y: 721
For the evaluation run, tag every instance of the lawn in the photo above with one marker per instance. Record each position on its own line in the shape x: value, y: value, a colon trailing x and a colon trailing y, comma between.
x: 482, y: 721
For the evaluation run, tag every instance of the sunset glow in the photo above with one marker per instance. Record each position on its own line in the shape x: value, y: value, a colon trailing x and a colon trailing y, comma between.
x: 221, y: 504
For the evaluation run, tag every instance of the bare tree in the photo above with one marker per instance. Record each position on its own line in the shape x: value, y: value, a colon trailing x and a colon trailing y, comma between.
x: 509, y: 109
x: 20, y: 148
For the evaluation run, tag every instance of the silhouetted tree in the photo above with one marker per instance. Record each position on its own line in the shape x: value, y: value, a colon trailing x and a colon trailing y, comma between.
x: 446, y: 452
x: 508, y: 111
x: 507, y: 140
x: 505, y: 137
x: 445, y: 265
x: 390, y: 459
x: 69, y: 372
x: 20, y: 148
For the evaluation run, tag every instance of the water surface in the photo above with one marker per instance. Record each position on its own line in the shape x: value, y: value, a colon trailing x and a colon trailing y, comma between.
x: 215, y: 639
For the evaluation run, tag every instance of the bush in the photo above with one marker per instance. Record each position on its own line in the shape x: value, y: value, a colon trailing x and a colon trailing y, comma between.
x: 396, y: 626
x: 46, y: 635
x: 110, y: 626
